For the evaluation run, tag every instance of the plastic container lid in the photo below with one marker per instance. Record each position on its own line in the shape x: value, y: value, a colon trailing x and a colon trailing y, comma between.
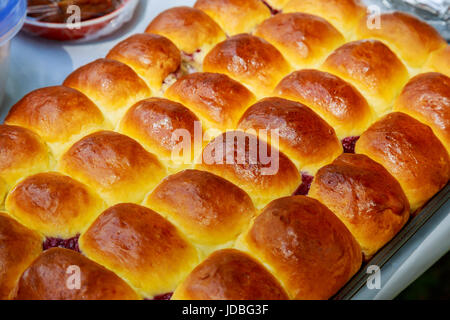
x: 12, y: 16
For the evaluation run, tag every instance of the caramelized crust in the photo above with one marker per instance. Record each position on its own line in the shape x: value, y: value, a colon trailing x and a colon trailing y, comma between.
x: 155, y: 122
x: 250, y: 163
x: 343, y: 14
x: 141, y: 247
x: 365, y: 197
x: 114, y: 165
x: 308, y: 248
x: 151, y: 56
x: 18, y: 248
x: 304, y: 39
x: 50, y: 277
x: 300, y: 130
x: 249, y: 60
x: 208, y: 208
x: 111, y: 84
x: 410, y: 152
x: 217, y: 99
x: 22, y: 153
x: 230, y: 275
x: 410, y: 38
x: 426, y: 97
x: 235, y: 16
x: 335, y: 100
x: 54, y: 204
x: 371, y: 67
x: 439, y: 61
x: 189, y: 28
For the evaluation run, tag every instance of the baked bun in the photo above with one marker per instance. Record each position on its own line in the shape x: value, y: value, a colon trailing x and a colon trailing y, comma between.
x: 276, y: 5
x: 230, y: 275
x: 141, y: 247
x: 335, y: 100
x: 151, y: 56
x: 22, y: 153
x: 372, y: 68
x: 343, y: 14
x: 207, y: 208
x: 365, y: 197
x: 409, y: 37
x: 189, y: 28
x: 235, y: 16
x: 114, y: 165
x: 308, y: 249
x: 250, y: 163
x: 217, y: 99
x: 439, y: 61
x: 410, y: 152
x: 305, y: 40
x: 155, y: 122
x: 59, y: 115
x: 19, y: 246
x: 3, y: 191
x: 49, y: 278
x: 426, y: 97
x: 249, y: 60
x: 111, y: 84
x: 303, y: 136
x: 54, y: 204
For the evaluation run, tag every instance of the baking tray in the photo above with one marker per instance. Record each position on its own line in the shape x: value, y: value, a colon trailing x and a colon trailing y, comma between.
x: 423, y: 240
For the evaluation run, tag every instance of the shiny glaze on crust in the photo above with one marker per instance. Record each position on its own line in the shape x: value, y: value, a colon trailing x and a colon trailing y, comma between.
x: 230, y: 275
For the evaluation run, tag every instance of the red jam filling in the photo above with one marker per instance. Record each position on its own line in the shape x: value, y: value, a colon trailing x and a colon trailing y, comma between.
x: 272, y: 9
x: 303, y: 190
x: 349, y: 144
x: 71, y: 244
x: 166, y: 296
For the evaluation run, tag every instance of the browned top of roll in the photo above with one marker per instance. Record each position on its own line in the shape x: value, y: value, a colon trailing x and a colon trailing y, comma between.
x: 152, y: 56
x: 189, y: 28
x: 439, y: 61
x: 250, y: 60
x: 216, y: 98
x: 19, y: 246
x: 367, y: 199
x: 304, y: 136
x: 230, y: 275
x: 48, y: 278
x: 426, y: 97
x: 310, y: 250
x: 55, y: 113
x: 411, y: 152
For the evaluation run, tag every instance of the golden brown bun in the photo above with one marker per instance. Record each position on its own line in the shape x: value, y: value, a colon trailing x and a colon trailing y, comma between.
x: 114, y: 165
x: 230, y: 275
x: 154, y: 122
x: 22, y: 153
x: 151, y: 56
x: 49, y: 278
x: 111, y: 84
x: 236, y: 156
x: 304, y: 137
x: 276, y: 4
x: 141, y: 247
x: 58, y: 115
x: 439, y: 61
x: 189, y: 28
x: 309, y: 250
x: 426, y: 97
x: 305, y: 40
x: 365, y: 197
x: 206, y: 207
x: 18, y: 248
x: 235, y: 16
x: 249, y: 60
x: 409, y: 37
x: 343, y: 14
x: 54, y: 204
x: 372, y: 68
x: 410, y: 152
x: 3, y: 191
x: 217, y: 99
x: 335, y: 100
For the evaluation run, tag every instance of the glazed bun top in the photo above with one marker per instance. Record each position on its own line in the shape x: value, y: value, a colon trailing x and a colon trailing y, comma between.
x: 439, y: 61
